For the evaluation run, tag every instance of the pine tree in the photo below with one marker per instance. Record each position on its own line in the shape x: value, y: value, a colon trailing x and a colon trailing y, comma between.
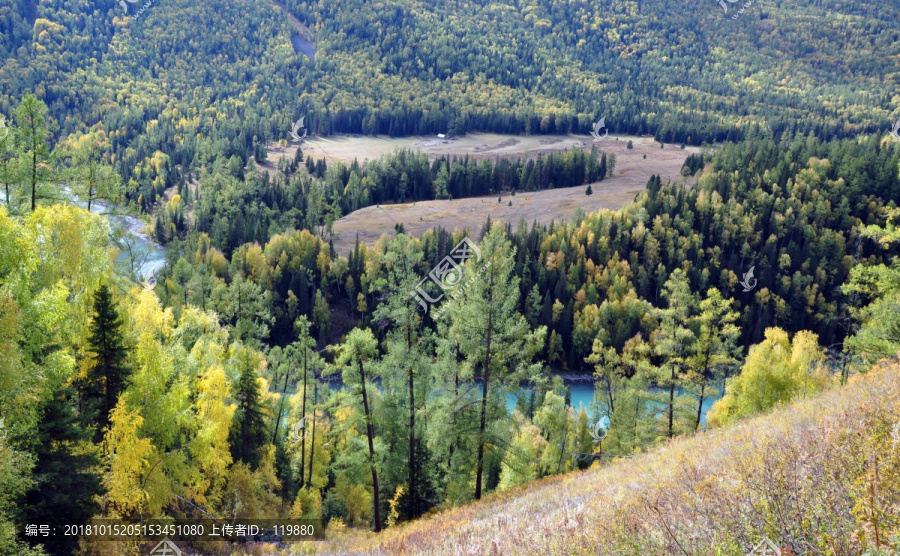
x: 611, y: 164
x: 65, y: 485
x: 404, y: 368
x: 108, y: 372
x: 673, y: 339
x: 248, y: 427
x: 715, y: 348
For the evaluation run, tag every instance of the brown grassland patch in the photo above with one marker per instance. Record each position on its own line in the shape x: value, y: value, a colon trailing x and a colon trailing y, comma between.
x: 631, y: 175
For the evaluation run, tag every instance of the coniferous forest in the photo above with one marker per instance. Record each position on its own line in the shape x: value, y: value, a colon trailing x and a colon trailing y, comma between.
x: 257, y: 373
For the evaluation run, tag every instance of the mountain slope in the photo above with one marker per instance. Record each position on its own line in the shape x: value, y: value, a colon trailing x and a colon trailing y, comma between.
x: 405, y: 67
x: 820, y: 476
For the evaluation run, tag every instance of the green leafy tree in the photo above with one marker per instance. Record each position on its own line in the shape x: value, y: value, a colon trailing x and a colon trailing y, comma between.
x: 34, y: 132
x: 15, y: 480
x: 358, y: 348
x: 715, y: 349
x: 10, y: 164
x: 673, y: 340
x: 245, y: 305
x: 405, y: 356
x: 878, y: 335
x: 775, y: 372
x: 66, y: 484
x: 493, y: 336
x: 90, y: 173
x: 300, y: 357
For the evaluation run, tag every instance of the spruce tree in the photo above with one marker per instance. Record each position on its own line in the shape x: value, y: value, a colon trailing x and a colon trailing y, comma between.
x: 65, y: 485
x: 248, y: 427
x: 107, y: 372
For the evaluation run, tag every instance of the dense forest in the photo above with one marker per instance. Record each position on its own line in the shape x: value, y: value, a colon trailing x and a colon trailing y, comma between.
x: 262, y: 374
x: 234, y: 208
x: 171, y: 100
x: 186, y: 398
x: 796, y: 217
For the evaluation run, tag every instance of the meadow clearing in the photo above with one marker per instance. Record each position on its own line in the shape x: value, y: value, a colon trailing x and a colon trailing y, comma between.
x: 631, y: 175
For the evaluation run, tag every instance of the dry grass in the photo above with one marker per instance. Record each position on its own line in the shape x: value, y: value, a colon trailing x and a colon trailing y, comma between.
x: 347, y: 148
x: 632, y: 173
x: 541, y: 206
x: 794, y: 475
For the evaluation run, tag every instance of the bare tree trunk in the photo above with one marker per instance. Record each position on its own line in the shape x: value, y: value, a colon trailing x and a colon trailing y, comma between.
x: 303, y: 411
x: 672, y: 401
x: 700, y: 405
x: 487, y: 375
x: 312, y: 443
x: 702, y: 391
x: 414, y: 505
x: 370, y: 433
x: 280, y: 406
x: 33, y: 174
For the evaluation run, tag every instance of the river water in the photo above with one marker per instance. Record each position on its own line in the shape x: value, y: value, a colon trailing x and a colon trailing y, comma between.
x: 151, y: 255
x: 582, y: 396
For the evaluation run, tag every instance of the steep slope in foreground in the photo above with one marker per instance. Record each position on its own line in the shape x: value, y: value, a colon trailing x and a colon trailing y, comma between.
x: 820, y: 476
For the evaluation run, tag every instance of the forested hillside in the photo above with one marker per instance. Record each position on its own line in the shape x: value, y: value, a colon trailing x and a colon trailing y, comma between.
x: 258, y: 374
x: 794, y: 211
x: 185, y: 83
x: 213, y: 392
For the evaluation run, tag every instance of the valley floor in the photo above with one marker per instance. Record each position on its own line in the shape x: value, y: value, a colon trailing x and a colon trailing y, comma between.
x: 631, y: 175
